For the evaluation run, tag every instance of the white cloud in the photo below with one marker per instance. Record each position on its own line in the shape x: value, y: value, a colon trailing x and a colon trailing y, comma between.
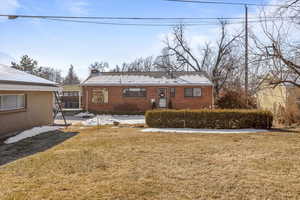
x: 9, y: 6
x: 77, y: 7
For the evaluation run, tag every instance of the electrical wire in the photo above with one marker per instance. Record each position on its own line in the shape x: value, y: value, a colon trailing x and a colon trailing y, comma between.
x: 230, y: 3
x: 116, y: 23
x: 152, y: 24
x: 132, y: 18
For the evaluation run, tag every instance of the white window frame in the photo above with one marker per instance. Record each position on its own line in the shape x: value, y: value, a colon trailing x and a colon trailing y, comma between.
x: 172, y: 92
x: 71, y: 94
x: 16, y: 107
x: 104, y: 91
x: 142, y: 94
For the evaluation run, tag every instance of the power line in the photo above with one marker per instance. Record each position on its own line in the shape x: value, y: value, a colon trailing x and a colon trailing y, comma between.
x: 131, y: 18
x: 122, y: 24
x: 118, y: 18
x: 151, y: 24
x: 148, y: 21
x: 229, y: 3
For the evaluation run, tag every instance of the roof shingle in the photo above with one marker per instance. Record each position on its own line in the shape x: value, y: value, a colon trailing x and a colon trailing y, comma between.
x: 11, y: 75
x: 147, y: 79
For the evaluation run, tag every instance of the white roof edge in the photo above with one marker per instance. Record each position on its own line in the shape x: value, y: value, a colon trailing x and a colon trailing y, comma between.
x: 10, y: 75
x: 139, y: 84
x: 17, y: 87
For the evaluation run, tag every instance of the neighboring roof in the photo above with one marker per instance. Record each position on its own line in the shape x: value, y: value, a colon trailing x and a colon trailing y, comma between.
x: 13, y: 79
x: 71, y: 87
x: 9, y: 74
x: 147, y: 79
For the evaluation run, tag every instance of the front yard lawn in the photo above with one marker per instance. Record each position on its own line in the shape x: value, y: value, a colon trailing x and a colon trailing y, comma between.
x: 124, y: 163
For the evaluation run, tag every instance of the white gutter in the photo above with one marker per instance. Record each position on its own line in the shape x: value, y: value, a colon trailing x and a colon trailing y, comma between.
x: 16, y: 87
x: 145, y: 84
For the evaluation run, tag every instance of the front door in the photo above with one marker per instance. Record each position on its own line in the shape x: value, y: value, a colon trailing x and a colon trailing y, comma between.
x: 162, y: 97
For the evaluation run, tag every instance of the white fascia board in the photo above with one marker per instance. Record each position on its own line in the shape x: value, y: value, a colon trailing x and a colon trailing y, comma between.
x: 154, y: 85
x: 15, y: 87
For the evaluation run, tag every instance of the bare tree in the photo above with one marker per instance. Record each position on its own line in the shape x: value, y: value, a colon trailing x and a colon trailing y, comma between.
x: 31, y: 66
x: 291, y: 7
x: 138, y: 65
x: 100, y: 66
x: 71, y: 78
x: 279, y: 50
x: 165, y: 63
x: 217, y: 64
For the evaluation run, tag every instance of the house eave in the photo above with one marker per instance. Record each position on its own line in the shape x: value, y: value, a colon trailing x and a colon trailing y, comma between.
x: 23, y: 87
x: 146, y: 85
x: 26, y: 83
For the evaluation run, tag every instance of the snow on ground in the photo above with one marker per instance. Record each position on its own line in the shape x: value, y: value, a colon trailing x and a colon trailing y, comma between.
x: 89, y: 119
x: 84, y: 114
x: 110, y: 119
x: 30, y: 133
x: 189, y: 130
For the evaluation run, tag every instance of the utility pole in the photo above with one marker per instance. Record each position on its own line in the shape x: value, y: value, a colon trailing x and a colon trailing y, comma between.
x: 246, y: 54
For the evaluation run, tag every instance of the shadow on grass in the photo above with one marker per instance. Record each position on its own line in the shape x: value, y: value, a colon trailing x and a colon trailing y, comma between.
x: 30, y: 146
x: 285, y: 130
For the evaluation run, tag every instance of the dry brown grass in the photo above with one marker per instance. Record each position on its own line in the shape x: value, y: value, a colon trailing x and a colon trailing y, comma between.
x: 127, y: 164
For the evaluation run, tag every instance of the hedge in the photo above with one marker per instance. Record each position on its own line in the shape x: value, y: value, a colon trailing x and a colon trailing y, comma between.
x: 210, y: 119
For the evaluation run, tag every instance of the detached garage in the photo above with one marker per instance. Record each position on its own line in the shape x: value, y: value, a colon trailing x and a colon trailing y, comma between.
x: 25, y: 101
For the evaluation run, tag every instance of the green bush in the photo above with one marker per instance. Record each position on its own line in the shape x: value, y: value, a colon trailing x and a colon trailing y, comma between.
x: 210, y: 119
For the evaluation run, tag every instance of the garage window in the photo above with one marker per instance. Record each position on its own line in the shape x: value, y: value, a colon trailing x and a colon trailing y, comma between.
x: 12, y: 102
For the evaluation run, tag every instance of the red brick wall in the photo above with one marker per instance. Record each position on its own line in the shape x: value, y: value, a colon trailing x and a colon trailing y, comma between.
x: 116, y: 99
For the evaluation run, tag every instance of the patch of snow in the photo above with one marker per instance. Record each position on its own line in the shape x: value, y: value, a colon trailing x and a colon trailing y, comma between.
x: 84, y: 114
x: 131, y: 79
x: 110, y: 119
x: 10, y: 74
x: 190, y: 130
x: 30, y: 133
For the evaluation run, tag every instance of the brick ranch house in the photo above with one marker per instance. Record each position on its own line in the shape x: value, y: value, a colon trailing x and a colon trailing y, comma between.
x: 25, y: 101
x: 141, y: 91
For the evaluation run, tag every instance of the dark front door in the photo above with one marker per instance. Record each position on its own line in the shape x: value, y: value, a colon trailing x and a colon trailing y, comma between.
x: 162, y: 97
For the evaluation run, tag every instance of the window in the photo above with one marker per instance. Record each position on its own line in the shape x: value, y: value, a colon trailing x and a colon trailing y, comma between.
x: 134, y: 92
x: 172, y: 92
x: 76, y: 94
x: 100, y: 96
x: 192, y: 92
x: 71, y: 104
x: 12, y: 102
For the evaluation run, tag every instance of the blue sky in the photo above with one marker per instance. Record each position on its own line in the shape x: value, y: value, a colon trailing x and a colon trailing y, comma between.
x: 58, y: 44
